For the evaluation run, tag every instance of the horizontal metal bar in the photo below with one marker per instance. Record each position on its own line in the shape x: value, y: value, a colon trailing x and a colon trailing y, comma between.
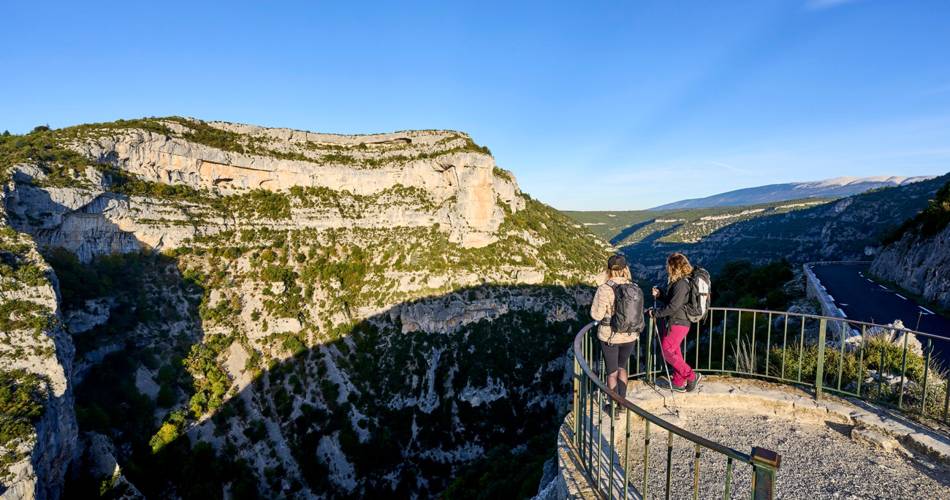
x: 622, y: 401
x: 830, y: 318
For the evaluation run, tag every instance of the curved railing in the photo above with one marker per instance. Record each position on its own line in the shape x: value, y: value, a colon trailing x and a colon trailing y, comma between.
x: 874, y: 363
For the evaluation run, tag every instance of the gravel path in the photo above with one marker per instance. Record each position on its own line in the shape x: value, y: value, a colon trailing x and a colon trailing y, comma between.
x: 819, y: 460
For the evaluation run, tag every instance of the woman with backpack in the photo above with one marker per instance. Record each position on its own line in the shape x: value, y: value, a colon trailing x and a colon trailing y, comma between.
x: 618, y: 308
x: 676, y: 298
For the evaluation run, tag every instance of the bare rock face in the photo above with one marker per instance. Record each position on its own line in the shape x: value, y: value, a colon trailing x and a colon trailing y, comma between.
x: 35, y: 353
x: 465, y: 183
x: 920, y: 265
x: 448, y: 314
x: 256, y: 252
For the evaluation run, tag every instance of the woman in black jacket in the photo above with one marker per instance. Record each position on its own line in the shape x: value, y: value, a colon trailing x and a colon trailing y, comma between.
x: 675, y: 298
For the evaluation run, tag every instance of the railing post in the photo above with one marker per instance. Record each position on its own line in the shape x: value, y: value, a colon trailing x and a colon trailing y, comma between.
x: 577, y: 401
x: 650, y: 349
x: 766, y: 463
x: 820, y: 366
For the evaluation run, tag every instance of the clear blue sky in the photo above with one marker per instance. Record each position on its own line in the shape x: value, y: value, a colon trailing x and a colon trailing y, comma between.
x: 613, y: 105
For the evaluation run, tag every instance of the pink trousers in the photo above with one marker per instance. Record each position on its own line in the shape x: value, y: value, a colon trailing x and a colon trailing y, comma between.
x: 670, y: 345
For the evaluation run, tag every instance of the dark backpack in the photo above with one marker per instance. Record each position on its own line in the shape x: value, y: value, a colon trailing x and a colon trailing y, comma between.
x: 700, y: 290
x: 628, y: 308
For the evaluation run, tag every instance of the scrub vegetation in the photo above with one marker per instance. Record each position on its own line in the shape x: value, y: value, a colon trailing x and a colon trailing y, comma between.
x: 312, y: 315
x: 929, y: 221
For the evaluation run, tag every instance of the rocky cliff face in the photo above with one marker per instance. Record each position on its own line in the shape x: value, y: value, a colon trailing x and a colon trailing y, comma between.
x: 919, y: 257
x: 409, y: 179
x: 294, y: 314
x: 37, y: 419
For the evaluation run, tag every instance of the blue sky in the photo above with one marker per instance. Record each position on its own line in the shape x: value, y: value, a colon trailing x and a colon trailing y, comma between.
x: 612, y: 105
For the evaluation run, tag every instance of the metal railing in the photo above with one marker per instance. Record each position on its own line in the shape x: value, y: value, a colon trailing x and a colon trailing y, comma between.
x: 875, y: 363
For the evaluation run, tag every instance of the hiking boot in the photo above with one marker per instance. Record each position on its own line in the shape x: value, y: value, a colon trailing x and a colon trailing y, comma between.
x: 673, y: 387
x: 693, y: 384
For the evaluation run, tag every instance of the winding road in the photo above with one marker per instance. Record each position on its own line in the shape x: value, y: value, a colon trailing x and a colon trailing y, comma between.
x: 863, y: 299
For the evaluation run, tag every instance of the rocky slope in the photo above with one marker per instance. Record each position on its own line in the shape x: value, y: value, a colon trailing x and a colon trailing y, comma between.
x: 678, y: 226
x: 917, y: 257
x: 286, y: 313
x: 847, y: 229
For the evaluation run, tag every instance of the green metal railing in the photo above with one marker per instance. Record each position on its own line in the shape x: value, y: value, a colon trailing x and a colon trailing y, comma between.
x: 871, y: 362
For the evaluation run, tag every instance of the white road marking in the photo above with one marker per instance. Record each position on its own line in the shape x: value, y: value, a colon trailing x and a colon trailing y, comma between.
x: 924, y: 309
x: 882, y: 286
x: 844, y: 305
x: 869, y: 280
x: 901, y: 296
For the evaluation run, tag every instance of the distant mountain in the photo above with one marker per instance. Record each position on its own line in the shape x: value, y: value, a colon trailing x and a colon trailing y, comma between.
x: 850, y: 228
x: 687, y: 225
x: 838, y: 187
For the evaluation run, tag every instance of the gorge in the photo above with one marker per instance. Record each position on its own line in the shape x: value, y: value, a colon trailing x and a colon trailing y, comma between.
x: 204, y: 309
x: 249, y: 311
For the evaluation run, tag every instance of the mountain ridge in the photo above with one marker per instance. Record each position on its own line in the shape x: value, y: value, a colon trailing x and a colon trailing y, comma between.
x: 837, y: 187
x: 850, y: 228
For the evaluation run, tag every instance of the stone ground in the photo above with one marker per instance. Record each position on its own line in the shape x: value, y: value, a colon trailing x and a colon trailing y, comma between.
x: 819, y: 457
x: 818, y: 461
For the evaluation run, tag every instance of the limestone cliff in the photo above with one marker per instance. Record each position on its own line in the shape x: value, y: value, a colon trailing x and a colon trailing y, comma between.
x: 37, y: 418
x: 285, y: 313
x: 918, y: 255
x: 408, y: 179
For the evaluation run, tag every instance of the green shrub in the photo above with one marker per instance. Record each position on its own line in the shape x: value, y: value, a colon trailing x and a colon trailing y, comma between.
x: 742, y: 284
x: 22, y: 396
x: 929, y: 221
x: 167, y: 433
x: 880, y: 355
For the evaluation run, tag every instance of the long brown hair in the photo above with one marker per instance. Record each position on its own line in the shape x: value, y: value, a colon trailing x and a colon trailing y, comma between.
x: 677, y: 267
x: 619, y: 273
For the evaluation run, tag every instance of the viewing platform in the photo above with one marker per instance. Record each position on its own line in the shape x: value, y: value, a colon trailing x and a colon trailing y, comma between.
x: 785, y: 410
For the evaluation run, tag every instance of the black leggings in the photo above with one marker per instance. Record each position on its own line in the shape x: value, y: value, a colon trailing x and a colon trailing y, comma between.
x: 617, y: 355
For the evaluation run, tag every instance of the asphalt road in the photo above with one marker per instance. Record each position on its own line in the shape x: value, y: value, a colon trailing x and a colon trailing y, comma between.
x: 863, y: 299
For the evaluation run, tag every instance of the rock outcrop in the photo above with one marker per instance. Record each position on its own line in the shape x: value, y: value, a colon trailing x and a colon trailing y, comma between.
x: 456, y: 176
x: 918, y: 264
x: 36, y: 356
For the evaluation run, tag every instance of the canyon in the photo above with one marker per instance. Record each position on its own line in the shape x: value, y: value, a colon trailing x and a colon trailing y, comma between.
x: 245, y: 311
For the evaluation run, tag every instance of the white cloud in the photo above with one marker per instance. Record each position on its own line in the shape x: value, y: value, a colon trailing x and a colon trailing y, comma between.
x: 826, y: 4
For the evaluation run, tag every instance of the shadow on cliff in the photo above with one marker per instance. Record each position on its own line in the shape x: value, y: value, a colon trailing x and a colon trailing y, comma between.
x: 630, y: 230
x: 105, y: 303
x: 469, y: 411
x: 127, y: 337
x: 388, y: 406
x: 380, y: 407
